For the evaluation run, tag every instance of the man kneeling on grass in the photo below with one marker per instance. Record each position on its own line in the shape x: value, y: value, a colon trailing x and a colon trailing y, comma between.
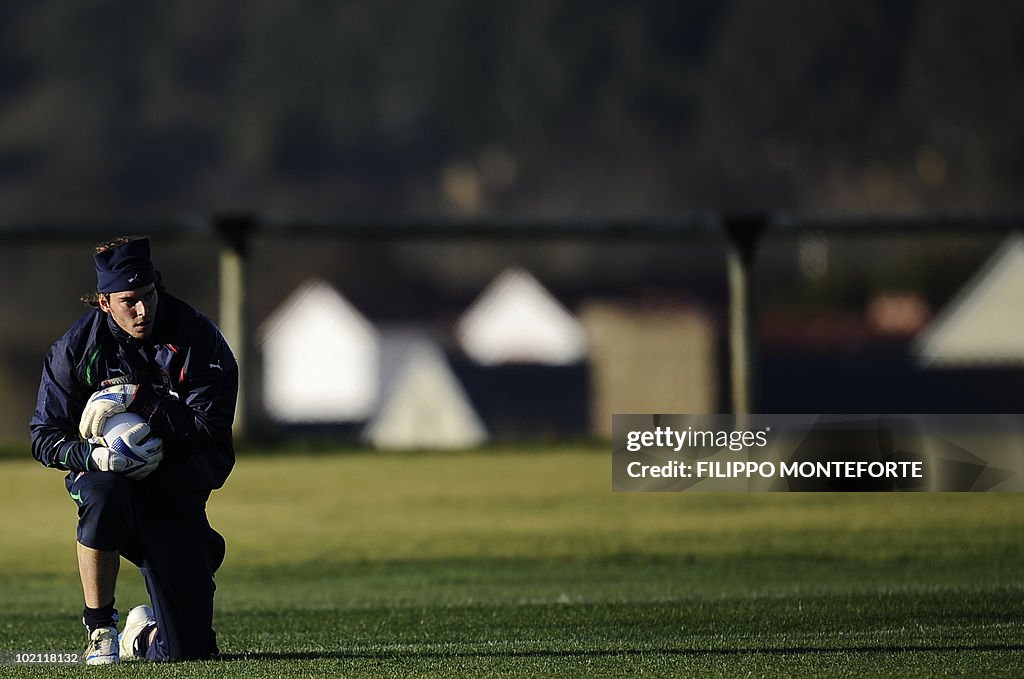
x: 141, y: 488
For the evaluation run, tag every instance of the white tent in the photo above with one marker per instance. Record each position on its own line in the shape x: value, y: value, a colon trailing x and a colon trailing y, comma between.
x: 423, y: 404
x: 515, y: 320
x: 983, y: 324
x: 319, y: 359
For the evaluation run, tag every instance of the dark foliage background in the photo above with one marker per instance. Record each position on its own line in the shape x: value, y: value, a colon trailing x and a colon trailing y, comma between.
x: 537, y: 107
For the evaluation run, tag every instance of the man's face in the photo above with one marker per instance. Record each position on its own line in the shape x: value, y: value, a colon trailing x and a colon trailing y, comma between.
x: 133, y: 310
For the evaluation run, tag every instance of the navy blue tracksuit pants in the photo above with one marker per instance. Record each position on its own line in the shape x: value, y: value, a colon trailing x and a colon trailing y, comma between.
x: 170, y: 540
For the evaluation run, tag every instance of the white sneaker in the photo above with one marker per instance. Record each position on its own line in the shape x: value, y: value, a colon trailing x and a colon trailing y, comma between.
x: 139, y: 620
x: 102, y: 648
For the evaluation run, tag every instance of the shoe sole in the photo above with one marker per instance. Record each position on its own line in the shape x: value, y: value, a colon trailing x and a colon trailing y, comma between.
x: 102, y: 660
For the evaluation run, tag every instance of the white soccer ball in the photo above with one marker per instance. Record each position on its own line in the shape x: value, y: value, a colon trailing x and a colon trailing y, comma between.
x: 119, y: 424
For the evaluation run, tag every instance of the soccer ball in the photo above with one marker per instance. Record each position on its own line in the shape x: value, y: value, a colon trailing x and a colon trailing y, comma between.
x: 119, y: 424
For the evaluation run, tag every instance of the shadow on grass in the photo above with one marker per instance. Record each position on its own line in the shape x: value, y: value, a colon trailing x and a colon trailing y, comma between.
x: 596, y: 653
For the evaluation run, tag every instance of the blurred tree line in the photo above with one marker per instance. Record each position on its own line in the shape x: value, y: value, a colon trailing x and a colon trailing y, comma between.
x: 551, y: 107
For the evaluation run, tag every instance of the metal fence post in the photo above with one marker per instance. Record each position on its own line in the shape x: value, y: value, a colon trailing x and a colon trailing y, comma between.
x: 234, y: 231
x: 743, y: 232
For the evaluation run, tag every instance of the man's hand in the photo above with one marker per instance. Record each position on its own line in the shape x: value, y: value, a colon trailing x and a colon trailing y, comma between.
x: 102, y: 404
x: 133, y: 453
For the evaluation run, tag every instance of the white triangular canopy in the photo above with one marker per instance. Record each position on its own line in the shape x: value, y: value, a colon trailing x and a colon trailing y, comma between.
x: 516, y: 320
x: 425, y: 406
x: 319, y: 359
x: 983, y: 323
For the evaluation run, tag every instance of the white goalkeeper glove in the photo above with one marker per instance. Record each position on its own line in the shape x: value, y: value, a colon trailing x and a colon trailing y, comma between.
x: 103, y: 404
x: 134, y: 453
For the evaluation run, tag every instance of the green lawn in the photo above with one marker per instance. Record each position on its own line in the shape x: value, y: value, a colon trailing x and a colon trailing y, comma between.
x: 525, y: 564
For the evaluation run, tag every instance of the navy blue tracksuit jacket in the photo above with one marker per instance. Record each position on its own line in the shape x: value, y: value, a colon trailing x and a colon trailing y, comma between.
x: 185, y: 356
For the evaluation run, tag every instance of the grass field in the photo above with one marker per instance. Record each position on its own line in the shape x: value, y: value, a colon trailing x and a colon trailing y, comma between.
x: 511, y: 563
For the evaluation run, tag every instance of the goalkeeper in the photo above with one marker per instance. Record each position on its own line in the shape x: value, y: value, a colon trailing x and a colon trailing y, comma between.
x: 142, y: 495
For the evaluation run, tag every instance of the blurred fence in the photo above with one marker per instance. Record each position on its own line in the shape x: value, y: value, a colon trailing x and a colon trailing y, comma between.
x: 806, y: 310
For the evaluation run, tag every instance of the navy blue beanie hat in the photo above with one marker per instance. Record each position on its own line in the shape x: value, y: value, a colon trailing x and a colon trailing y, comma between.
x: 124, y: 267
